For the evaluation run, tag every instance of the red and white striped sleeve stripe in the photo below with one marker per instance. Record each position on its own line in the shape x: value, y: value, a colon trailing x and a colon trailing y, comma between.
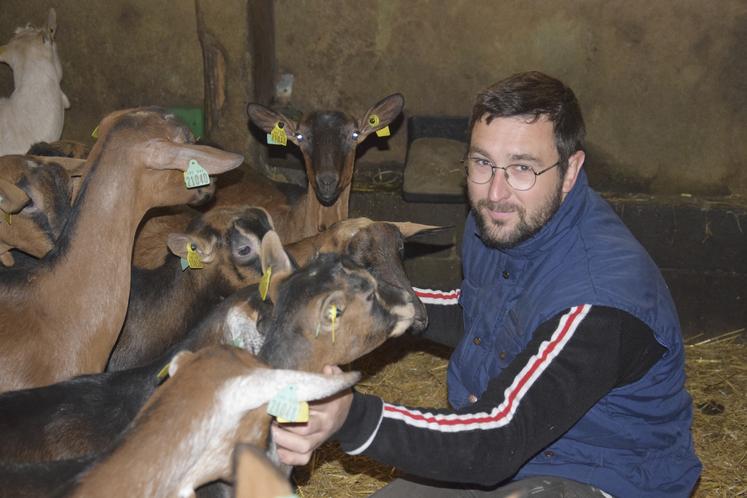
x: 431, y: 296
x: 503, y: 413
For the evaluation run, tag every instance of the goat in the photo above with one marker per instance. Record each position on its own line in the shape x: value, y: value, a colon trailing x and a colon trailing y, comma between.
x: 41, y: 190
x: 35, y: 110
x: 81, y: 416
x: 328, y: 141
x: 185, y: 434
x: 377, y: 246
x: 165, y: 301
x: 137, y: 163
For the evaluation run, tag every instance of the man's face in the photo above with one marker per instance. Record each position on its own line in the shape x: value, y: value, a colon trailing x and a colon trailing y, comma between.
x: 506, y: 216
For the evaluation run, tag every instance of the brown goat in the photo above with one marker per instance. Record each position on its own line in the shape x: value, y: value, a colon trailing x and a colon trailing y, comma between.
x: 165, y: 302
x: 62, y: 318
x: 185, y: 434
x: 328, y: 141
x: 36, y: 195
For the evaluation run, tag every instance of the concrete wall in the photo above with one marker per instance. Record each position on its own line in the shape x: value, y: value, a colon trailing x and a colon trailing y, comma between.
x: 661, y: 82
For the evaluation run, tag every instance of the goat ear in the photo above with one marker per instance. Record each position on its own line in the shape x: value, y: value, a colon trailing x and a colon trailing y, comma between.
x: 12, y: 198
x: 177, y: 243
x: 273, y: 255
x: 308, y: 386
x: 6, y: 258
x: 73, y: 166
x: 332, y: 307
x: 381, y: 114
x: 266, y: 119
x: 51, y: 27
x: 179, y: 360
x: 255, y: 476
x: 408, y: 229
x: 164, y: 154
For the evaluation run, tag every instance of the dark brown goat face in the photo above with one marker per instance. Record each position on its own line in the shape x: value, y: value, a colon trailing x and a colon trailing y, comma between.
x: 45, y: 188
x: 156, y: 145
x: 328, y: 140
x: 228, y: 239
x: 332, y: 312
x: 379, y: 248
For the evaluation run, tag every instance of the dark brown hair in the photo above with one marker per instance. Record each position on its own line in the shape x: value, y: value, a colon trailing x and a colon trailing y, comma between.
x: 534, y: 94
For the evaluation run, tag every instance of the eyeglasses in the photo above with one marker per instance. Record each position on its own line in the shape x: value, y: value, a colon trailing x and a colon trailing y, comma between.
x: 518, y: 176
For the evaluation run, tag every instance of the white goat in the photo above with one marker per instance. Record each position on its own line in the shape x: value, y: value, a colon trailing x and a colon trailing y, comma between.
x: 35, y: 110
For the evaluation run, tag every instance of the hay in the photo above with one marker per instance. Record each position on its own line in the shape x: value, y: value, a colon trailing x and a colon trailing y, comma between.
x: 717, y: 379
x: 413, y: 372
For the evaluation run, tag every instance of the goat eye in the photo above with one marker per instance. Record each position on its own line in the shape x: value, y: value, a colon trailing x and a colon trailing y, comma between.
x: 299, y: 136
x: 245, y: 250
x: 356, y: 135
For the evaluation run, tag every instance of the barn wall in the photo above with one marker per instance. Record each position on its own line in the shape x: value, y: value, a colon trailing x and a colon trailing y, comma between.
x: 661, y: 83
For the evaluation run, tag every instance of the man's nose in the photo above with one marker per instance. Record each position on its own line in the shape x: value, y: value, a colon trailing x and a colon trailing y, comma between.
x: 499, y: 188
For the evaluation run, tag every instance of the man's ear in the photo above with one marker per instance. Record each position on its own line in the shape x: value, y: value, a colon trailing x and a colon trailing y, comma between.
x: 177, y: 243
x: 575, y: 163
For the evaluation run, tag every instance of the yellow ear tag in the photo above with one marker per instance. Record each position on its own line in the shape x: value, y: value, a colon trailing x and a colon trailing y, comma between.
x: 196, y: 175
x: 383, y: 132
x: 95, y: 132
x: 333, y: 316
x: 8, y: 218
x: 286, y: 407
x: 193, y: 259
x: 164, y: 372
x: 277, y: 136
x: 302, y: 415
x: 264, y: 284
x: 374, y: 121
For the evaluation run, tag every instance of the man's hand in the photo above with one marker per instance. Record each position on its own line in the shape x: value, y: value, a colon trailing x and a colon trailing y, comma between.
x: 296, y: 443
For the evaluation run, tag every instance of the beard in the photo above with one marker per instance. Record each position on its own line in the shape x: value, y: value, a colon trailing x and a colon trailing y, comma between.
x: 499, y: 235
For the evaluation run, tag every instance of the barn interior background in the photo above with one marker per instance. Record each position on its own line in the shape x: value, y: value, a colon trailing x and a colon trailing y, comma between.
x: 661, y: 84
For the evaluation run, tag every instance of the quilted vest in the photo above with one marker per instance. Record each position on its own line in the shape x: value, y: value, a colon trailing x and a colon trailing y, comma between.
x: 636, y: 441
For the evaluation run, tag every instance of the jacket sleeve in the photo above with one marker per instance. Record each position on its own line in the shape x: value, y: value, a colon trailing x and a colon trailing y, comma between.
x: 572, y: 361
x: 445, y: 323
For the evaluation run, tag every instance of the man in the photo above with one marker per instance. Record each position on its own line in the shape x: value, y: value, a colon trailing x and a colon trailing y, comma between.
x: 569, y: 379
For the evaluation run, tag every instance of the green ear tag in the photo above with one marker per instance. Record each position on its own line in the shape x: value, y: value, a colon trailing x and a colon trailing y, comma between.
x: 193, y: 259
x: 264, y: 284
x: 164, y: 372
x: 184, y: 263
x: 286, y: 407
x: 278, y: 136
x: 374, y: 120
x: 383, y: 132
x: 196, y: 176
x: 95, y: 132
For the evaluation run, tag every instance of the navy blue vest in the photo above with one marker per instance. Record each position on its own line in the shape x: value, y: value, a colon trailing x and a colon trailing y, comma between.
x: 636, y: 441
